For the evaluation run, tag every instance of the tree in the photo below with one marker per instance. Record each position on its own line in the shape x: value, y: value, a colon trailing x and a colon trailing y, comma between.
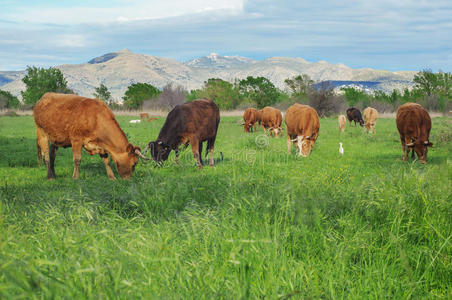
x: 324, y: 100
x: 103, y: 94
x: 260, y: 90
x: 8, y: 100
x: 436, y: 88
x: 299, y: 86
x: 137, y: 93
x: 354, y: 96
x: 171, y: 96
x: 39, y: 81
x: 225, y: 94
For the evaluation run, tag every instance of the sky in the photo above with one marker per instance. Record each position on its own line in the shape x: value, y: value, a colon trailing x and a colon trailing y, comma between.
x: 378, y: 34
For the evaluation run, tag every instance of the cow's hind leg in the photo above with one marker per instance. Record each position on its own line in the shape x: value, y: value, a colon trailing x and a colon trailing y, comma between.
x: 52, y: 155
x: 77, y: 157
x: 200, y: 152
x: 106, y: 161
x: 210, y: 147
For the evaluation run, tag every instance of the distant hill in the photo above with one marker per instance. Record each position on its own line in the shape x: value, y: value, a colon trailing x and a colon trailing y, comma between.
x: 118, y: 70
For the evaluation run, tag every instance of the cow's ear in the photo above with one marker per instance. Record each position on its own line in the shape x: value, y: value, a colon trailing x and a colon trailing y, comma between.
x: 129, y: 148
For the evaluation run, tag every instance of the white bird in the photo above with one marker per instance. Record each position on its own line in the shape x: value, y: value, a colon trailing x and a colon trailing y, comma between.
x: 341, y: 150
x: 134, y: 121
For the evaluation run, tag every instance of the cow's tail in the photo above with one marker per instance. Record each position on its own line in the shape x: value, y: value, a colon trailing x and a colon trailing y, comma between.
x: 39, y: 152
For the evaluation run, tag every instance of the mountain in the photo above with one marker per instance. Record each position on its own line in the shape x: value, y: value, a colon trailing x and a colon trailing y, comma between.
x: 118, y: 70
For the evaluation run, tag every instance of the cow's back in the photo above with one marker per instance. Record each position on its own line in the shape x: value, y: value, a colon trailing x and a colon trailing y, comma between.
x: 370, y: 114
x: 63, y: 117
x: 302, y: 120
x: 271, y: 117
x: 250, y: 115
x: 413, y: 120
x: 199, y: 117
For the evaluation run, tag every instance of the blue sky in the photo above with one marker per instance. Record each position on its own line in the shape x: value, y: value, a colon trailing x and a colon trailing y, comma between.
x: 379, y: 34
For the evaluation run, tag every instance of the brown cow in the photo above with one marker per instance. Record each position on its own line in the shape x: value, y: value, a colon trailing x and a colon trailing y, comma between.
x: 414, y: 125
x: 249, y: 116
x: 271, y: 120
x: 342, y: 121
x: 302, y: 125
x: 190, y: 123
x: 74, y: 121
x: 144, y: 116
x: 370, y: 116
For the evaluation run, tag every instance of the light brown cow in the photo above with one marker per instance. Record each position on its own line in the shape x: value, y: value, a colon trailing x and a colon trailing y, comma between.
x: 414, y: 125
x: 271, y: 120
x: 341, y: 120
x: 370, y: 116
x: 249, y: 116
x: 302, y: 125
x: 74, y: 121
x: 144, y: 116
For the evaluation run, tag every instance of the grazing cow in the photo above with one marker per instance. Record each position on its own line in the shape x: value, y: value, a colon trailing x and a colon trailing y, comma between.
x: 79, y: 122
x: 370, y: 116
x: 302, y: 125
x: 190, y: 123
x: 144, y: 116
x: 341, y: 120
x: 353, y: 114
x: 414, y: 125
x: 249, y: 116
x: 271, y: 120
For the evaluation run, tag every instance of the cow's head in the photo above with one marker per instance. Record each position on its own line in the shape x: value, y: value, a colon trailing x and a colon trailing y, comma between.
x: 159, y: 150
x: 361, y: 122
x: 421, y: 149
x: 304, y: 145
x: 276, y: 131
x: 126, y: 162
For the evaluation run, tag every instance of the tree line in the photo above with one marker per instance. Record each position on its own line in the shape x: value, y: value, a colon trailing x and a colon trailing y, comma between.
x: 432, y: 90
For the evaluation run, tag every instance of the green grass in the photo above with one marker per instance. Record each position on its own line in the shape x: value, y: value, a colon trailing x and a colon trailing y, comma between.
x: 261, y: 224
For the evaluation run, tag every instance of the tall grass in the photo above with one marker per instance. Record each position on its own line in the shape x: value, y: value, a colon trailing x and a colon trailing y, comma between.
x: 261, y: 224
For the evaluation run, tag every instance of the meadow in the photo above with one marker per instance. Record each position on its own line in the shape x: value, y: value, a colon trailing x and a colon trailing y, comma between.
x: 260, y: 224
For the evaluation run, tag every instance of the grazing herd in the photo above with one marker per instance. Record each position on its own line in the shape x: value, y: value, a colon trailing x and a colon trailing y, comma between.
x: 78, y: 122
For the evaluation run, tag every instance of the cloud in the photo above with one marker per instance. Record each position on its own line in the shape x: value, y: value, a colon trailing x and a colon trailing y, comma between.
x: 402, y: 35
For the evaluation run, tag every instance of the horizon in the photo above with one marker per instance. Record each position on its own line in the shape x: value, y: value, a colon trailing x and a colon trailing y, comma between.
x: 404, y: 36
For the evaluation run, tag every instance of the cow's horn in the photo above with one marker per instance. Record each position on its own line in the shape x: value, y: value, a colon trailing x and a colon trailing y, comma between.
x: 138, y: 152
x: 426, y: 142
x: 160, y: 142
x: 410, y: 144
x: 308, y: 136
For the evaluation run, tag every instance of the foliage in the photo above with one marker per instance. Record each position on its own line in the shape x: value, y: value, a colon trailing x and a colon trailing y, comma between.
x: 324, y: 100
x: 225, y: 94
x: 260, y: 90
x: 39, y: 81
x: 299, y: 87
x: 262, y: 224
x: 8, y: 100
x: 103, y: 94
x: 170, y: 97
x: 436, y: 88
x: 137, y: 93
x: 354, y: 96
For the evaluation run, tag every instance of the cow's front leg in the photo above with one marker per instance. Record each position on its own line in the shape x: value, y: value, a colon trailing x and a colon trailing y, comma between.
x: 76, y: 157
x: 106, y: 161
x: 195, y: 150
x: 289, y: 144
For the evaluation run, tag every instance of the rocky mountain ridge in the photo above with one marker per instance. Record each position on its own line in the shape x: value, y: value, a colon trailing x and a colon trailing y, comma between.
x: 118, y: 70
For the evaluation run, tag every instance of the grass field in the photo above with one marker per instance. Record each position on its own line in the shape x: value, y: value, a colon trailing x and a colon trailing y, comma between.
x: 261, y: 224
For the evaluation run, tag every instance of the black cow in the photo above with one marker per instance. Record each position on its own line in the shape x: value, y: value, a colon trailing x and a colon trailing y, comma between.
x: 353, y: 114
x: 190, y: 123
